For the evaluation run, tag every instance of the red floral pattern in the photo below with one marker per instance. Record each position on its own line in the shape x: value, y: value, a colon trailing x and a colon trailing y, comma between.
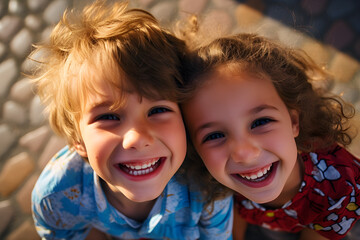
x: 328, y: 200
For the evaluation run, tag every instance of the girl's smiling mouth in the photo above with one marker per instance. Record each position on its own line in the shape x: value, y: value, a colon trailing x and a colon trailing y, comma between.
x: 258, y: 178
x: 256, y: 175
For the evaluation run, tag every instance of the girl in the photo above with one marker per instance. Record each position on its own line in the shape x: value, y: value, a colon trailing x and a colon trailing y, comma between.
x: 266, y: 128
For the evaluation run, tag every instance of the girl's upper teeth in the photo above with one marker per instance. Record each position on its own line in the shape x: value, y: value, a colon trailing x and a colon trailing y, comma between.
x: 258, y: 174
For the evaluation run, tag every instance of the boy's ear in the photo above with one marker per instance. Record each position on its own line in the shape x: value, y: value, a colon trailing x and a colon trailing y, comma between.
x: 294, y: 116
x: 80, y: 149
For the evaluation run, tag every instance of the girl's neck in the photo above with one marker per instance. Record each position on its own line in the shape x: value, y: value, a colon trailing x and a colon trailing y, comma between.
x: 138, y: 211
x: 291, y: 187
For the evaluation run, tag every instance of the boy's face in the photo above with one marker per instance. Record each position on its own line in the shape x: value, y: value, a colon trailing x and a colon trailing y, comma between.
x: 135, y: 149
x: 245, y: 135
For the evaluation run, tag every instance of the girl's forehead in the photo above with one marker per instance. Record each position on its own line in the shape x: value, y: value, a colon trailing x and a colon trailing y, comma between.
x: 234, y: 73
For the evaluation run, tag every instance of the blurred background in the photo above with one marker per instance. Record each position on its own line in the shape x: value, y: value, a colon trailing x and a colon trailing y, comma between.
x: 328, y: 30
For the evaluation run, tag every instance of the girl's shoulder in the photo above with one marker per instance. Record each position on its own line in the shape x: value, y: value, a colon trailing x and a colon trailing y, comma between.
x: 330, y: 190
x: 331, y: 176
x: 331, y: 165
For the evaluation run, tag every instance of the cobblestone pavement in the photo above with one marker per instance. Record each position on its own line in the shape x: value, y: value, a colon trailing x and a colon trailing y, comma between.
x: 27, y: 143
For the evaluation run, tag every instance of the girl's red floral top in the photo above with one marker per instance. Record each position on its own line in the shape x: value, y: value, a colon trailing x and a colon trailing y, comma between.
x: 328, y: 200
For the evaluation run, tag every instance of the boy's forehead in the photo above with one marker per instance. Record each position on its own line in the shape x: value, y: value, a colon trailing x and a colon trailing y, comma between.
x: 99, y: 86
x: 103, y: 99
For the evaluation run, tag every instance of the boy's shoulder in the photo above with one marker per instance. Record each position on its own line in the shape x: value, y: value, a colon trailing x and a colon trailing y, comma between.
x: 66, y: 172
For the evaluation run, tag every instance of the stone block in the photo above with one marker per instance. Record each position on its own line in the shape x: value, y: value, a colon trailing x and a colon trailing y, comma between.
x: 14, y: 112
x: 8, y: 138
x: 23, y: 197
x: 8, y: 72
x: 35, y: 139
x: 22, y: 91
x: 25, y: 231
x: 164, y: 11
x: 190, y: 6
x: 343, y: 67
x: 14, y: 172
x: 218, y: 22
x: 54, y: 145
x: 317, y: 51
x: 6, y: 213
x: 54, y: 11
x: 247, y: 16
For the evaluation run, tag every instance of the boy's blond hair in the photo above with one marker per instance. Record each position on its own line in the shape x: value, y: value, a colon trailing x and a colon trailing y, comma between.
x: 126, y: 48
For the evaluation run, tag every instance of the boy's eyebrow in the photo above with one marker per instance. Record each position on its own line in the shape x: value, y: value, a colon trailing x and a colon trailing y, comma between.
x: 96, y: 105
x: 254, y: 110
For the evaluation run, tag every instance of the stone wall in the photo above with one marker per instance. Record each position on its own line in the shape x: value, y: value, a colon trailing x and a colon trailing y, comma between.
x: 26, y: 141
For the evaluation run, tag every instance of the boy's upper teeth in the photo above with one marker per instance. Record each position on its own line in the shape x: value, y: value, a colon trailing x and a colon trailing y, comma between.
x: 142, y: 166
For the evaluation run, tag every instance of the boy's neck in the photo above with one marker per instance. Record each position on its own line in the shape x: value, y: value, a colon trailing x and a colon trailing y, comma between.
x: 138, y: 211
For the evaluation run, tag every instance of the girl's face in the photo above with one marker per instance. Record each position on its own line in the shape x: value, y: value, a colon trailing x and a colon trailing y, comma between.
x: 135, y: 149
x: 245, y: 135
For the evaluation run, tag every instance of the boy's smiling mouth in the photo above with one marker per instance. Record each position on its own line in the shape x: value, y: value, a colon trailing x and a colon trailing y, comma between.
x: 141, y: 168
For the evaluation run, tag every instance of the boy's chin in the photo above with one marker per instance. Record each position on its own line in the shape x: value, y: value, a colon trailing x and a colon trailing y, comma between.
x: 145, y: 193
x: 143, y: 197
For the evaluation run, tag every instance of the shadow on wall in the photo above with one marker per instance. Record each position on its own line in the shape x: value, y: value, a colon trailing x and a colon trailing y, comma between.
x: 333, y: 22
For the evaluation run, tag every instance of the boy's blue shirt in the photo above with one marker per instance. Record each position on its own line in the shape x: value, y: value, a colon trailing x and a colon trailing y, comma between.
x: 67, y: 201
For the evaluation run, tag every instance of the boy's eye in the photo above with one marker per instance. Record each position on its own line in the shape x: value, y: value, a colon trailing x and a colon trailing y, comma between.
x: 213, y: 136
x: 260, y: 122
x: 107, y: 117
x: 157, y: 110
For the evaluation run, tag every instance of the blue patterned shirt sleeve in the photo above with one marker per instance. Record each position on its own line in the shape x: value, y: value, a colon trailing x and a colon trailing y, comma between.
x: 55, y: 213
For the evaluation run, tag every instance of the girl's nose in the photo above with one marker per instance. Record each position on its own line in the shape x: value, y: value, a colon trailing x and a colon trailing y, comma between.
x: 245, y: 151
x: 136, y: 139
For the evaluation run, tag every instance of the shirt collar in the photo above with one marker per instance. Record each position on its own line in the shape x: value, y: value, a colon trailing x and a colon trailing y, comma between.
x: 101, y: 202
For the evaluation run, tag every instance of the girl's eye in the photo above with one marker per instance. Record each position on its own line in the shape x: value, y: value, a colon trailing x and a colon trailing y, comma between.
x: 260, y: 122
x: 107, y: 117
x: 158, y: 110
x: 213, y: 136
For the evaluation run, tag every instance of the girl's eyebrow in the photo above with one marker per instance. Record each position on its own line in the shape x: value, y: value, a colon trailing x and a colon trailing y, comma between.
x: 254, y: 110
x: 262, y: 107
x: 203, y: 126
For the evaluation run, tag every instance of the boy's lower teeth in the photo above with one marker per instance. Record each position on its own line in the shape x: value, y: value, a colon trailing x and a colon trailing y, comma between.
x: 141, y: 172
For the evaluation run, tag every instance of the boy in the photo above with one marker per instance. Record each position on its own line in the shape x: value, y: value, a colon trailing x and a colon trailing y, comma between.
x: 109, y: 81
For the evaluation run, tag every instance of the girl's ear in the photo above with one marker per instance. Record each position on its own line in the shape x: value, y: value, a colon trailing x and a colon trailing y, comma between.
x: 294, y: 116
x: 80, y: 149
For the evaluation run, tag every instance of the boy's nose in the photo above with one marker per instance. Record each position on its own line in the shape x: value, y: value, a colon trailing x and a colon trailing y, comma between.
x: 135, y: 139
x: 244, y: 151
